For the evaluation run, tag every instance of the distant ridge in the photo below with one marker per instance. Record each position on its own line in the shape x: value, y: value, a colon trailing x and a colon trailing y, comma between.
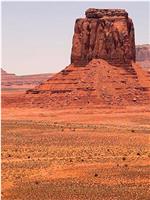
x: 10, y: 80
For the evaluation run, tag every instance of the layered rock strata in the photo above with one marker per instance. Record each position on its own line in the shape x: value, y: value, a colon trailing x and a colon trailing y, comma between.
x: 143, y: 56
x: 104, y: 34
x: 9, y: 80
x: 102, y: 69
x: 143, y: 52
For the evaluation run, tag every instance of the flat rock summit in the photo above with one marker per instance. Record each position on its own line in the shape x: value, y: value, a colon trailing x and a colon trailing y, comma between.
x: 102, y: 70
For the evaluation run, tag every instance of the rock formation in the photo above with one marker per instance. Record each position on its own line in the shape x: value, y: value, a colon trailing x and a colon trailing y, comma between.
x: 143, y: 52
x: 101, y: 70
x: 104, y: 34
x: 10, y: 80
x: 143, y: 56
x: 5, y: 74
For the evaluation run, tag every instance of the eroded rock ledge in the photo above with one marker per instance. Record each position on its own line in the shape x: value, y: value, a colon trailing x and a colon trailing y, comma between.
x: 99, y: 13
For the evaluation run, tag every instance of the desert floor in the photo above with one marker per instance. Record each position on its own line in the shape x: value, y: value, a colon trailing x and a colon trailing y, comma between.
x: 75, y: 154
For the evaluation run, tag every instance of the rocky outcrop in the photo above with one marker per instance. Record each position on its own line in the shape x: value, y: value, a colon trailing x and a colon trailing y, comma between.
x: 143, y: 52
x: 97, y: 83
x: 143, y: 56
x: 101, y: 70
x: 10, y: 80
x: 4, y: 74
x: 104, y: 34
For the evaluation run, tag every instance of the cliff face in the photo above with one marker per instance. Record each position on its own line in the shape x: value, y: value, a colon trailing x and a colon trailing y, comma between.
x: 143, y: 56
x: 104, y: 34
x: 143, y: 52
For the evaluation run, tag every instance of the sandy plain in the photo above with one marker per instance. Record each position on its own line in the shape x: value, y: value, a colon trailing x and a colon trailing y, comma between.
x: 76, y: 153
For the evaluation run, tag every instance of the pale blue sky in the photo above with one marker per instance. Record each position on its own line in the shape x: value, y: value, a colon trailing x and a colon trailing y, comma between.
x: 37, y: 36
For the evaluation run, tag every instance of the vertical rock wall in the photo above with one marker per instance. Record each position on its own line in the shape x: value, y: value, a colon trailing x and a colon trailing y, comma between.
x: 104, y: 33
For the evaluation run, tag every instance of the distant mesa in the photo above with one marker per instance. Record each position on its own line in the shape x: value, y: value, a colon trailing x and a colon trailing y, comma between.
x: 5, y: 74
x: 102, y: 70
x: 143, y: 56
x: 103, y: 13
x: 143, y: 52
x: 10, y: 80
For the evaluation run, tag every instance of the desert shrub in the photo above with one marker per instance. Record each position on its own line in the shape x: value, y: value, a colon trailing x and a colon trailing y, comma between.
x: 123, y: 158
x: 36, y: 182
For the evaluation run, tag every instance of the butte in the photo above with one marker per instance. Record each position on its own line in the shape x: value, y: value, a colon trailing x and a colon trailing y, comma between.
x: 102, y: 70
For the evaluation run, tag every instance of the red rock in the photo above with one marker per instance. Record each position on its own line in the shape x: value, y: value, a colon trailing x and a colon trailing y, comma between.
x: 104, y: 34
x: 113, y: 80
x: 143, y: 56
x: 143, y: 52
x: 96, y: 83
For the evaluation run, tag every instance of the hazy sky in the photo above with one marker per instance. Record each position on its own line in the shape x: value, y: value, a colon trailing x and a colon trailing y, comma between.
x: 37, y: 36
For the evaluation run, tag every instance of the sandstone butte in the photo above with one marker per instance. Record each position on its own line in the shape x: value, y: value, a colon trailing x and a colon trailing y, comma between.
x: 102, y: 70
